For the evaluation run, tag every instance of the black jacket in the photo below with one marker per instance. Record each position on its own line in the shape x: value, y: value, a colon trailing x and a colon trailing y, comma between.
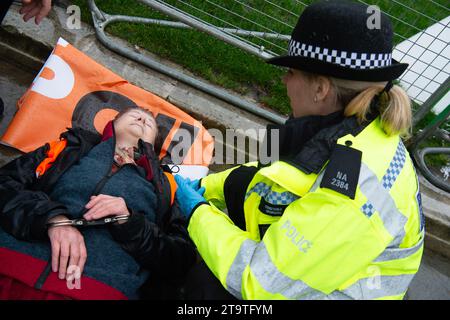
x: 25, y: 208
x: 4, y: 7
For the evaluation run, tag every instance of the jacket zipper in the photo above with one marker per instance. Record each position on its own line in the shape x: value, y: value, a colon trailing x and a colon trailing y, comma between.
x: 104, y: 180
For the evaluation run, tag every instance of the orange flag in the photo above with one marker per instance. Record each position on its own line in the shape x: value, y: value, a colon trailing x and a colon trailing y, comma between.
x: 72, y: 90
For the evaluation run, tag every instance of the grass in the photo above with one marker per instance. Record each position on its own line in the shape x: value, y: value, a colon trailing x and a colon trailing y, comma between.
x: 239, y: 71
x: 231, y: 67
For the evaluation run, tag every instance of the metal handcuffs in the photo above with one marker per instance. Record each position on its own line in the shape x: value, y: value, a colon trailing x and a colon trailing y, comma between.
x: 84, y: 223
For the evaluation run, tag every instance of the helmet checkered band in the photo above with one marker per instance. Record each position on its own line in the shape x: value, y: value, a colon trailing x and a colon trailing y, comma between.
x: 352, y: 60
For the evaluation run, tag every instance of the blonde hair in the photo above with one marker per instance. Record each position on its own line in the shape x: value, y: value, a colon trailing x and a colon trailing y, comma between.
x: 394, y: 106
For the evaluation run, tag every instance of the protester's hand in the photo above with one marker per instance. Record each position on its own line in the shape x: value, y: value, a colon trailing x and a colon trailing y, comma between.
x: 35, y: 8
x: 188, y: 197
x: 103, y: 205
x: 68, y: 248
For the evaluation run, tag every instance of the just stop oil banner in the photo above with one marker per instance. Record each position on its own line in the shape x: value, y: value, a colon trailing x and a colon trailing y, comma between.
x: 72, y: 90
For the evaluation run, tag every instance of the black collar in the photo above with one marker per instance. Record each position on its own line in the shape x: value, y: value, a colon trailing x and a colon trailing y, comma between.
x: 307, y: 142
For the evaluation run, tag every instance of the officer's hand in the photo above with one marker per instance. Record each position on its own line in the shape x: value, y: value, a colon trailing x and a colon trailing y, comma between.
x: 187, y: 196
x: 35, y: 8
x: 68, y: 249
x: 195, y: 184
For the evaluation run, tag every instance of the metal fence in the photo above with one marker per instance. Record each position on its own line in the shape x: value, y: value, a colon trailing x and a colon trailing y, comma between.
x: 263, y: 27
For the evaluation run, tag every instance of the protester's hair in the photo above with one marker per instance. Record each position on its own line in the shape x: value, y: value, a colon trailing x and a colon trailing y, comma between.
x: 356, y: 97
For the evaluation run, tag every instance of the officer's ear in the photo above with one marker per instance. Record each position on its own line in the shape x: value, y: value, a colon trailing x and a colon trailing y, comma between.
x: 322, y: 88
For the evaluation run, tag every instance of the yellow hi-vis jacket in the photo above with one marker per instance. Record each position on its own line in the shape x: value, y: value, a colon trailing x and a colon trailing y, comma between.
x: 324, y: 245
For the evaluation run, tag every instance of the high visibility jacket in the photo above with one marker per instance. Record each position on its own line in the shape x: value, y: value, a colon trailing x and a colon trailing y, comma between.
x: 314, y: 242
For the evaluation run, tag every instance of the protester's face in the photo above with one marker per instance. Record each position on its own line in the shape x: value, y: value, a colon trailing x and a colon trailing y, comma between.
x: 137, y: 124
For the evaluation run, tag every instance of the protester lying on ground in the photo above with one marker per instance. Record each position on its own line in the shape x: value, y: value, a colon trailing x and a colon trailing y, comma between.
x: 339, y: 216
x: 93, y: 178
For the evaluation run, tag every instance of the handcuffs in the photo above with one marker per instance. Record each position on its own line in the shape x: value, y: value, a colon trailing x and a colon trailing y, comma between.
x: 85, y: 223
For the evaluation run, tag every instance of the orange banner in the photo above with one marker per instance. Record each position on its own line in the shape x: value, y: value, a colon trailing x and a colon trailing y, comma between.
x: 72, y: 90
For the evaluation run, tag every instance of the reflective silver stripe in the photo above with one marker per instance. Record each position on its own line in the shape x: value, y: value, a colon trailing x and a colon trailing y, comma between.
x: 337, y: 295
x: 399, y: 253
x: 382, y: 286
x: 267, y: 274
x: 419, y: 203
x: 394, y: 221
x: 275, y: 282
x: 318, y: 181
x: 241, y: 261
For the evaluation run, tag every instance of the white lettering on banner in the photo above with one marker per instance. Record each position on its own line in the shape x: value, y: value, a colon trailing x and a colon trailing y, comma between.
x: 296, y: 238
x: 62, y: 83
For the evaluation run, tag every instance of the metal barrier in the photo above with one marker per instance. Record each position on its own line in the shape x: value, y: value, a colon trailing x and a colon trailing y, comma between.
x: 262, y: 28
x: 101, y: 20
x: 432, y: 128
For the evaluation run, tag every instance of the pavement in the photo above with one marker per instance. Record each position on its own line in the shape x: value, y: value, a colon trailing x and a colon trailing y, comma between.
x: 23, y: 49
x: 432, y: 282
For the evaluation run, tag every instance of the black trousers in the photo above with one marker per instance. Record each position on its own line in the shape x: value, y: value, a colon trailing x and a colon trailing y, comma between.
x: 202, y: 284
x: 199, y: 284
x: 4, y: 7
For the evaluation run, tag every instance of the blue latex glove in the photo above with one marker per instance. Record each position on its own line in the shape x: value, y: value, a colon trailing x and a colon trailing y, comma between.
x: 195, y: 184
x: 188, y: 198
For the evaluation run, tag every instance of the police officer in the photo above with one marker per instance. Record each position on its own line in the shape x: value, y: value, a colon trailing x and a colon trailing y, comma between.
x: 338, y: 216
